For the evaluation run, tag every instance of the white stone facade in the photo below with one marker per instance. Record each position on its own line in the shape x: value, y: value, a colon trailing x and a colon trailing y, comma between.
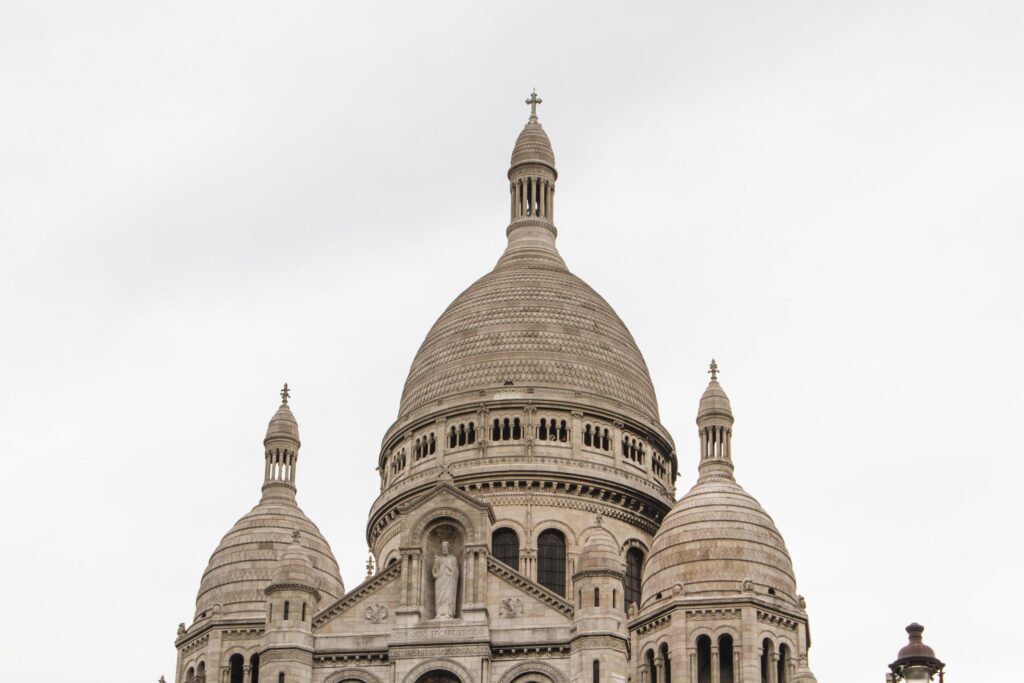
x: 528, y: 440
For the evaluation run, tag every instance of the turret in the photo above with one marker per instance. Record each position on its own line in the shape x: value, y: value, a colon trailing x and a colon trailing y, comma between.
x: 292, y: 599
x: 599, y: 618
x: 281, y: 451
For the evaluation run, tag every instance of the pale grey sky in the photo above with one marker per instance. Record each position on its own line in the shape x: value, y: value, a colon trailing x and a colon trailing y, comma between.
x: 202, y: 200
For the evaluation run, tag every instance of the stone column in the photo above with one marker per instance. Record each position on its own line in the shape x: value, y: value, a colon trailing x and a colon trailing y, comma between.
x: 773, y: 668
x: 405, y: 579
x: 576, y: 433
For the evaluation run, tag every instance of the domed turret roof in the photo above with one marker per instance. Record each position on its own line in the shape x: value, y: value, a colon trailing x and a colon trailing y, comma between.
x: 294, y: 568
x: 718, y: 540
x: 714, y: 539
x: 600, y: 552
x: 244, y: 562
x: 283, y: 424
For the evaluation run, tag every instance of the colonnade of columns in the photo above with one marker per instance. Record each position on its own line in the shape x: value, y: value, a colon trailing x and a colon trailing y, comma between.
x: 716, y: 442
x: 280, y: 465
x: 533, y: 196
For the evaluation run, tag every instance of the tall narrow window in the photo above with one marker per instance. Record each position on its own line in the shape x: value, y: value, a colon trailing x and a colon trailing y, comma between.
x: 496, y: 431
x: 666, y: 664
x: 542, y: 430
x: 254, y: 669
x: 286, y: 610
x: 783, y: 670
x: 767, y: 650
x: 551, y: 561
x: 280, y: 677
x: 704, y: 659
x: 303, y: 611
x: 726, y: 673
x: 649, y: 663
x: 517, y: 430
x: 597, y: 597
x: 634, y: 566
x: 505, y: 546
x: 472, y: 433
x: 615, y: 595
x: 597, y: 671
x: 236, y: 665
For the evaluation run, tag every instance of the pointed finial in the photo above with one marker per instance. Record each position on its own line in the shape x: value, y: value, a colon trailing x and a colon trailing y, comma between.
x: 599, y: 519
x: 713, y: 371
x: 369, y: 566
x: 533, y: 102
x: 285, y: 393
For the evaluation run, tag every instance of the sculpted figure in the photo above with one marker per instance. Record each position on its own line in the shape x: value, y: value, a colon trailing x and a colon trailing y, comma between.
x: 446, y: 582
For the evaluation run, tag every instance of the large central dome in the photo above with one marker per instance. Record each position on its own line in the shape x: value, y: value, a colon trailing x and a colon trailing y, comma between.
x: 530, y: 322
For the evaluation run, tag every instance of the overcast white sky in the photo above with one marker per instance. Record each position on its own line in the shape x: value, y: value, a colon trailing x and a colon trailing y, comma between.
x: 200, y: 201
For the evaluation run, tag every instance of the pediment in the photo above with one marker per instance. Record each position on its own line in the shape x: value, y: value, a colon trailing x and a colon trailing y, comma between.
x: 445, y: 500
x: 370, y: 604
x: 513, y: 597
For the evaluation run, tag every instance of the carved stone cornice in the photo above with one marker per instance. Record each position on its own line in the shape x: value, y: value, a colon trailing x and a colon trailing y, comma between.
x: 366, y: 657
x: 775, y: 619
x: 547, y: 651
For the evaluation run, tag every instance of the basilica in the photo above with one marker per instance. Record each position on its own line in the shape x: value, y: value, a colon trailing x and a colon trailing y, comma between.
x: 527, y: 527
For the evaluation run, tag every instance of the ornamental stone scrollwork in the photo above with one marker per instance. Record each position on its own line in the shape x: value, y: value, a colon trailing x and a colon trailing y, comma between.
x: 539, y: 668
x: 376, y: 613
x: 352, y: 675
x: 511, y: 607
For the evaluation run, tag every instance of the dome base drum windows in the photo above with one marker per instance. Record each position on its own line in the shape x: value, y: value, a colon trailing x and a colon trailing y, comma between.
x: 505, y: 547
x: 551, y: 561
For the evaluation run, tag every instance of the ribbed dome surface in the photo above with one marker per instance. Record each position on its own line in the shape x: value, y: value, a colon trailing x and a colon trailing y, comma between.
x: 530, y: 322
x: 283, y: 424
x: 533, y: 145
x: 242, y: 565
x: 715, y: 538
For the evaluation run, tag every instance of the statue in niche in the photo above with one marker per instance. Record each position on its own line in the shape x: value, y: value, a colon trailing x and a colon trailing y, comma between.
x: 446, y: 582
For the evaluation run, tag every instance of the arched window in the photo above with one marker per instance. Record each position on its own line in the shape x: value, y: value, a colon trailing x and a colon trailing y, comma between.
x: 496, y: 430
x: 726, y: 674
x: 587, y: 437
x: 236, y: 664
x: 597, y: 597
x: 563, y: 432
x: 280, y: 677
x: 254, y: 669
x: 453, y: 439
x: 286, y: 610
x: 433, y: 443
x: 506, y: 430
x: 517, y: 430
x: 649, y: 664
x: 462, y: 435
x: 472, y: 433
x: 551, y: 561
x: 303, y: 611
x: 783, y: 670
x: 704, y: 659
x: 634, y: 566
x: 597, y: 671
x: 666, y: 664
x: 767, y: 650
x: 190, y: 675
x: 201, y: 673
x: 542, y: 430
x: 605, y: 441
x: 505, y: 546
x: 438, y: 676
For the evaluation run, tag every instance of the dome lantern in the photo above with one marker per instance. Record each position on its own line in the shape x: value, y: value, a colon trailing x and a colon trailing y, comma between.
x: 281, y: 450
x: 714, y: 424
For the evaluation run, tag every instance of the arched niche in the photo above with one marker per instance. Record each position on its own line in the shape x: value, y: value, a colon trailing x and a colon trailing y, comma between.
x: 443, y: 670
x: 438, y: 676
x: 440, y: 531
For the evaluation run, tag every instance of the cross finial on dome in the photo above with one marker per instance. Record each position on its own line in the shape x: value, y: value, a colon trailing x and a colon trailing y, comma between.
x: 285, y: 393
x: 533, y: 102
x: 714, y: 370
x: 369, y: 565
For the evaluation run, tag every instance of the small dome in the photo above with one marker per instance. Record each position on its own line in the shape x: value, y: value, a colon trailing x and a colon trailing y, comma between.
x: 715, y: 539
x: 283, y: 424
x: 600, y: 553
x: 533, y: 146
x: 714, y: 403
x: 295, y: 567
x: 916, y: 649
x: 244, y: 563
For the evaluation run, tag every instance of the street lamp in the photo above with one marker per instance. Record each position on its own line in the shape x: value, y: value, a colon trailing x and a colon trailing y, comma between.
x: 916, y: 662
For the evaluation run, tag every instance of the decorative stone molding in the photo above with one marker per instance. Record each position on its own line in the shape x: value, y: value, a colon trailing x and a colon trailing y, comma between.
x: 511, y: 607
x: 531, y: 651
x: 655, y: 624
x: 368, y: 587
x: 378, y: 613
x: 716, y: 614
x: 286, y: 654
x: 601, y: 643
x: 423, y: 652
x: 535, y: 668
x: 242, y: 633
x: 453, y: 632
x: 352, y: 675
x: 529, y: 587
x: 322, y: 659
x: 776, y: 620
x: 443, y: 664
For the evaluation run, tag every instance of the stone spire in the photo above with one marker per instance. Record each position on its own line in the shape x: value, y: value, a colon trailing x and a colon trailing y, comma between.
x: 532, y: 178
x: 714, y: 427
x: 281, y: 450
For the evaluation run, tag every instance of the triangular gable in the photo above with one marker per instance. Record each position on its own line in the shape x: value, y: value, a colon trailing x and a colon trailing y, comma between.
x: 512, y: 584
x: 382, y: 587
